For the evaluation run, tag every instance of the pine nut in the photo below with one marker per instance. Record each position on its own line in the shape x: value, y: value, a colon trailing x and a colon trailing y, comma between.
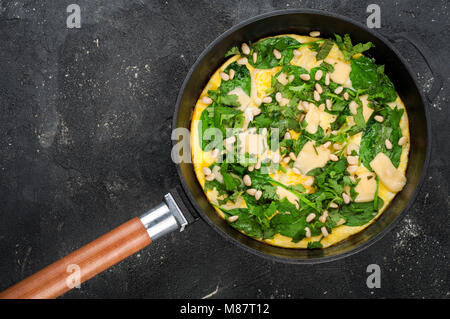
x: 329, y: 104
x: 278, y: 97
x: 319, y: 88
x: 337, y: 146
x: 318, y: 75
x: 309, y: 181
x: 251, y: 191
x: 206, y: 170
x: 338, y: 90
x: 267, y: 99
x: 327, y: 79
x: 346, y: 96
x: 247, y: 180
x: 314, y: 34
x: 206, y: 100
x: 378, y: 118
x: 324, y: 216
x: 258, y: 194
x: 251, y: 168
x: 307, y: 232
x: 277, y: 54
x: 340, y: 222
x: 324, y: 231
x: 305, y: 77
x: 306, y: 105
x: 231, y: 74
x: 286, y: 160
x: 333, y: 205
x: 245, y: 48
x: 296, y: 171
x: 322, y: 107
x: 224, y: 76
x: 316, y: 96
x: 215, y: 152
x: 346, y: 198
x: 327, y: 144
x: 388, y: 144
x: 402, y: 140
x: 292, y: 156
x: 334, y: 132
x: 255, y: 57
x: 291, y: 78
x: 242, y: 61
x: 310, y: 217
x: 210, y: 177
x: 352, y: 169
x: 287, y: 136
x: 352, y: 160
x: 233, y: 218
x: 256, y: 111
x: 258, y: 164
x: 334, y: 158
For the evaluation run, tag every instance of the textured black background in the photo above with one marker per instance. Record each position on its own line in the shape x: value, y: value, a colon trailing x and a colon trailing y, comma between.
x: 84, y: 131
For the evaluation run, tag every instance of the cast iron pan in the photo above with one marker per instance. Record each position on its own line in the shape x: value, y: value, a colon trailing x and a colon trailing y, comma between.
x: 135, y: 234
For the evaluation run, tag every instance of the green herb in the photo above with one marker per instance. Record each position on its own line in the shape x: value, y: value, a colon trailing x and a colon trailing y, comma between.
x: 233, y: 51
x: 324, y: 49
x: 347, y: 48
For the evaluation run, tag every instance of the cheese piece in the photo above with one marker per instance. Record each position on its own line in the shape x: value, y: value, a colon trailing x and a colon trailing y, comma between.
x: 312, y: 118
x: 341, y: 71
x: 392, y: 178
x: 306, y: 59
x: 366, y: 187
x: 308, y: 159
x: 284, y: 193
x: 243, y: 98
x: 367, y: 111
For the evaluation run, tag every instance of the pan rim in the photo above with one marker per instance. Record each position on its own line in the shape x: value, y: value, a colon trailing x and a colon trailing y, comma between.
x: 386, y: 229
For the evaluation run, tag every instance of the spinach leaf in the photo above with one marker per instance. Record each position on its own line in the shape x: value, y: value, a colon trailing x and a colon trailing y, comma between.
x: 314, y: 244
x: 324, y: 49
x: 246, y: 222
x: 266, y: 60
x: 358, y: 214
x: 241, y: 79
x: 370, y: 78
x: 374, y: 137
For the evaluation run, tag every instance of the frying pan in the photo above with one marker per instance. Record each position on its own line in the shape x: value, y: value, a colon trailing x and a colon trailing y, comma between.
x: 187, y: 203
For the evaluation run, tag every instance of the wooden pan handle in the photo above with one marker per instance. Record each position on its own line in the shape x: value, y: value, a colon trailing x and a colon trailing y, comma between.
x: 88, y: 261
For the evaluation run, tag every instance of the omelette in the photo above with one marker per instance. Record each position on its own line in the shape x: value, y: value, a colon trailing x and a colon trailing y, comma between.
x: 300, y: 141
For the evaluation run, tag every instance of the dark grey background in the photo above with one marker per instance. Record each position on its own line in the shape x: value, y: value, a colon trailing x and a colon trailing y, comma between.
x: 84, y: 131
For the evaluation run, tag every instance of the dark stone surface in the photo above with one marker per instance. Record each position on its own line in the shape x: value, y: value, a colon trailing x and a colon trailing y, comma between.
x: 85, y: 126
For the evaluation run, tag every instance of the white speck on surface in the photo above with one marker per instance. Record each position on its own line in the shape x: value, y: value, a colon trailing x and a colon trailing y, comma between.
x: 212, y: 293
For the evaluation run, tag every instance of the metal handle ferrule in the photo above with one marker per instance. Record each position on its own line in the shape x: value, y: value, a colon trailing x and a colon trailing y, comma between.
x: 163, y: 219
